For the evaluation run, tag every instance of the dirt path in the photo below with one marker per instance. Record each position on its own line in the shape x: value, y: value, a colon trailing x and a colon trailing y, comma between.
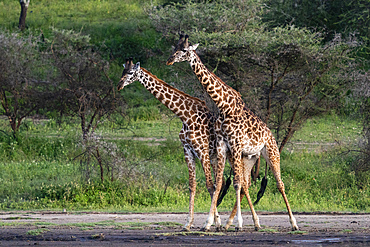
x: 164, y: 229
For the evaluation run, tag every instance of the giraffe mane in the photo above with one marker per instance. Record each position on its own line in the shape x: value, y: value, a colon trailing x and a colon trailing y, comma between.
x: 175, y: 89
x: 218, y: 78
x: 245, y: 106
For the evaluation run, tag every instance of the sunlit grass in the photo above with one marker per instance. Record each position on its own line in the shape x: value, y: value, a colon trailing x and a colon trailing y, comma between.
x: 329, y: 129
x: 49, y: 13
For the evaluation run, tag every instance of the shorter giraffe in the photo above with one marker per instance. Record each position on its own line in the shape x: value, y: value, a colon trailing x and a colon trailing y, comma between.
x: 197, y: 134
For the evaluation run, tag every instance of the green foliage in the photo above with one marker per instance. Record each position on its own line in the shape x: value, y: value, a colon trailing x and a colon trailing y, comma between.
x: 347, y: 17
x: 206, y: 17
x: 285, y: 74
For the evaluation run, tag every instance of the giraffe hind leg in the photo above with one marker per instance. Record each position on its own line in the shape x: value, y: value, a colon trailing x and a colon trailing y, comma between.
x: 272, y: 157
x: 248, y: 165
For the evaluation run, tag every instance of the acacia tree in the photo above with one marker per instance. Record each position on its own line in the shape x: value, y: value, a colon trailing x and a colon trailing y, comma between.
x: 24, y: 88
x: 295, y: 77
x: 334, y: 16
x: 286, y: 75
x: 86, y: 89
x: 22, y: 18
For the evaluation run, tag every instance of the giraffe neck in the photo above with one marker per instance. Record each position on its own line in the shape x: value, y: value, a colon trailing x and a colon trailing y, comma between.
x: 227, y: 99
x: 178, y: 102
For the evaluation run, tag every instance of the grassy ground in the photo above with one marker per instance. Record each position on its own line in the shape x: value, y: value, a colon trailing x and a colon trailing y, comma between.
x: 41, y: 170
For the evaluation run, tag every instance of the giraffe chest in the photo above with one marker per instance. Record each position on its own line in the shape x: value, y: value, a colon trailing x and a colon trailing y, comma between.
x: 248, y: 138
x: 196, y: 138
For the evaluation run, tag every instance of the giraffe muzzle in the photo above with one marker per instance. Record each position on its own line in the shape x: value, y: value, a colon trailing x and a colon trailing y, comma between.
x: 170, y: 61
x: 120, y: 85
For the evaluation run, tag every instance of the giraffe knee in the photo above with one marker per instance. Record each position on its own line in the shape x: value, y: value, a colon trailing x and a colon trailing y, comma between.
x: 280, y: 186
x: 192, y: 187
x: 211, y: 190
x: 237, y: 185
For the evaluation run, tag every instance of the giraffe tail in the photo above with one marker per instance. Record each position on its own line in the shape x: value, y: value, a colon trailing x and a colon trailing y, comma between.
x: 224, y: 189
x: 256, y: 170
x: 263, y: 187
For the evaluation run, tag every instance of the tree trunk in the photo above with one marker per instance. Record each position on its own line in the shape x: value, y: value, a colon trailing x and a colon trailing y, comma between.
x: 98, y: 157
x: 22, y: 18
x: 367, y: 132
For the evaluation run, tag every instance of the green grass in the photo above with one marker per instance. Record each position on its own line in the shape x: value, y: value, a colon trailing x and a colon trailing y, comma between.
x: 321, y: 133
x: 37, y: 232
x: 4, y: 224
x: 40, y: 173
x: 40, y: 169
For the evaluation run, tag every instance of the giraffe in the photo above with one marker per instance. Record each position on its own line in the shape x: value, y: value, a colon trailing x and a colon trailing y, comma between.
x: 242, y: 133
x: 197, y: 134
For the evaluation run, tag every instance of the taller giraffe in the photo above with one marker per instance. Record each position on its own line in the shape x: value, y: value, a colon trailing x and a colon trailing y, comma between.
x: 197, y: 134
x: 243, y: 134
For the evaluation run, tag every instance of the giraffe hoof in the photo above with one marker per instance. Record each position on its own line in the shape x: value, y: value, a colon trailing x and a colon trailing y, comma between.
x: 203, y: 229
x: 295, y: 228
x: 226, y: 227
x: 238, y: 229
x: 185, y: 229
x: 257, y: 228
x: 220, y: 229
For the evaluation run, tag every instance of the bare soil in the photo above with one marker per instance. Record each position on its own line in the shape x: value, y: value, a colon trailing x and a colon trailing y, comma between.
x: 165, y: 229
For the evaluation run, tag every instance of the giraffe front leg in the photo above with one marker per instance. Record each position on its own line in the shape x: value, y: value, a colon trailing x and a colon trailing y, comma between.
x: 221, y: 157
x: 239, y: 223
x: 190, y: 220
x: 233, y: 213
x: 213, y: 214
x: 192, y: 188
x: 217, y: 220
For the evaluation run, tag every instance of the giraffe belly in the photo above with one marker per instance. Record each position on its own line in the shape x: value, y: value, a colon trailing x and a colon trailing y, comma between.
x: 252, y: 150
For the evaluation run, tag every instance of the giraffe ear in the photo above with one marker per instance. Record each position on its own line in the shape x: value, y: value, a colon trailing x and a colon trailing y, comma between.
x: 193, y: 47
x: 137, y: 66
x: 124, y: 66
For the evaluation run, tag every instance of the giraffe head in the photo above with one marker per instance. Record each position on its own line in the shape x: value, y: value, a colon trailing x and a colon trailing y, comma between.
x: 129, y: 74
x: 182, y: 50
